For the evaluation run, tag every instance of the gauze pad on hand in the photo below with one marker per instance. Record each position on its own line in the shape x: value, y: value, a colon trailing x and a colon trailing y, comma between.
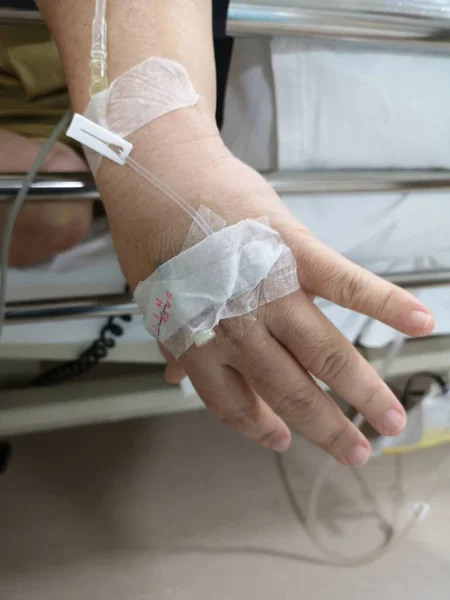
x: 228, y: 274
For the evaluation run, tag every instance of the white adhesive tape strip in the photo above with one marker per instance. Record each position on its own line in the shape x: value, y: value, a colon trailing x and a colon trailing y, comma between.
x: 228, y: 274
x: 146, y: 92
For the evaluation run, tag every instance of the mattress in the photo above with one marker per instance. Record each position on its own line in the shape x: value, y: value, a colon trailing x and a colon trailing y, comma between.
x: 382, y: 232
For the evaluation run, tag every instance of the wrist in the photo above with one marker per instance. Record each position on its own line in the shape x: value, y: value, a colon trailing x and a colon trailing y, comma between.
x: 180, y: 149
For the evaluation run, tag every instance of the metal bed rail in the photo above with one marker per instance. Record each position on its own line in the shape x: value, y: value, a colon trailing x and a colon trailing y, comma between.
x: 81, y: 186
x: 380, y: 26
x: 373, y: 24
x: 22, y: 313
x: 51, y: 187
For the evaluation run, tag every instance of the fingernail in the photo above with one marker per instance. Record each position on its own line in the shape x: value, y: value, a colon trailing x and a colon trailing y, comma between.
x: 281, y: 445
x: 421, y: 320
x: 358, y: 455
x: 393, y: 422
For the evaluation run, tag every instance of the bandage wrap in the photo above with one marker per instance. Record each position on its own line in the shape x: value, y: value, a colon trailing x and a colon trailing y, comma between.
x: 228, y: 274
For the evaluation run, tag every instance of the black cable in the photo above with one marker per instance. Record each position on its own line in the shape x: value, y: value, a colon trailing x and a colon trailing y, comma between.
x: 5, y: 455
x: 89, y: 358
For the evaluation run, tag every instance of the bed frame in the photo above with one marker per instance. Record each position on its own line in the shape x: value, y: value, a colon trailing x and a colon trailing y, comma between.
x: 129, y: 396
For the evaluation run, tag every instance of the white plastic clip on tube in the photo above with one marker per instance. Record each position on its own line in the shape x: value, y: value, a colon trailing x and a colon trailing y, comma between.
x: 99, y: 139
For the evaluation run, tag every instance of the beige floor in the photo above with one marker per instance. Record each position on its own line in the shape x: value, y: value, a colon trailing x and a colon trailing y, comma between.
x: 180, y: 508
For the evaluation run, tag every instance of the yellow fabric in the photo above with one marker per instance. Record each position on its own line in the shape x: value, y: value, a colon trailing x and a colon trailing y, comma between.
x: 13, y: 34
x: 33, y: 93
x: 38, y: 68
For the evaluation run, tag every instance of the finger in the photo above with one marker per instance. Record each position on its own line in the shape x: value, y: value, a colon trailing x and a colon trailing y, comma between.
x: 321, y: 348
x: 329, y: 275
x: 174, y: 372
x: 277, y: 377
x: 226, y: 394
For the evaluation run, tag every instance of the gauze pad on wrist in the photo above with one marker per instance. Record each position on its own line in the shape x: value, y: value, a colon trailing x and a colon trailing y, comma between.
x: 146, y: 92
x: 227, y: 274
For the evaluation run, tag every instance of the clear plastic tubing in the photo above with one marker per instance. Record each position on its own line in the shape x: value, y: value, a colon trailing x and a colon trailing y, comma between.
x: 100, y: 83
x: 98, y: 63
x: 179, y: 200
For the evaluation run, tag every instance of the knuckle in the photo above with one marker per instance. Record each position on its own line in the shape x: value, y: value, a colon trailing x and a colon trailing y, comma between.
x: 264, y: 439
x: 352, y: 288
x: 248, y: 353
x: 331, y: 364
x: 241, y: 419
x: 335, y: 441
x: 386, y: 300
x: 372, y: 399
x: 298, y: 407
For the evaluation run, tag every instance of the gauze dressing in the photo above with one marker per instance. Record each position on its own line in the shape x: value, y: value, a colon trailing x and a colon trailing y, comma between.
x: 227, y: 274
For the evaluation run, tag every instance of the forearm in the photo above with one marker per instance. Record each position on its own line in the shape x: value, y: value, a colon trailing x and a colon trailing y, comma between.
x: 171, y: 146
x: 137, y: 29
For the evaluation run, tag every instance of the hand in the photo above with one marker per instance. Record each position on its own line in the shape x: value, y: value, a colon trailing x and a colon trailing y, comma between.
x: 42, y: 229
x: 261, y: 384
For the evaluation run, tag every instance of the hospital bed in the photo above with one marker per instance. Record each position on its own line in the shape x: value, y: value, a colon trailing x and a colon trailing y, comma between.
x: 377, y: 217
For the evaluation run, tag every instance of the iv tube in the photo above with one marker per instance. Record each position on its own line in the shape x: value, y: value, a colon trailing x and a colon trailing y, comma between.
x: 179, y: 200
x: 98, y: 62
x: 392, y: 537
x: 100, y: 83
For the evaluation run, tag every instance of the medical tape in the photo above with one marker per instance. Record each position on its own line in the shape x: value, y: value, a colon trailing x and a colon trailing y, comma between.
x: 149, y: 90
x: 228, y: 274
x: 223, y: 272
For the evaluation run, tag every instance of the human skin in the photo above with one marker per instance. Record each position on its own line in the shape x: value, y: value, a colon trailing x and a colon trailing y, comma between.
x: 260, y: 384
x: 42, y: 229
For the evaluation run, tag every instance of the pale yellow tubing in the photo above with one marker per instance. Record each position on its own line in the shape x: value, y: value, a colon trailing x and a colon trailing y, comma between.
x: 98, y: 63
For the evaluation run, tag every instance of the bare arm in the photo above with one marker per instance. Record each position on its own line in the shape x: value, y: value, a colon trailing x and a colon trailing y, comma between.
x: 261, y: 383
x: 137, y: 29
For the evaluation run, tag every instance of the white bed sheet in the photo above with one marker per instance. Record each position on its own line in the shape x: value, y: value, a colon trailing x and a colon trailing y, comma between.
x: 342, y: 108
x: 383, y: 232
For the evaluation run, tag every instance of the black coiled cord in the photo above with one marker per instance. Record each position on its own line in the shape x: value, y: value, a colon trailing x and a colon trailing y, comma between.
x: 88, y: 359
